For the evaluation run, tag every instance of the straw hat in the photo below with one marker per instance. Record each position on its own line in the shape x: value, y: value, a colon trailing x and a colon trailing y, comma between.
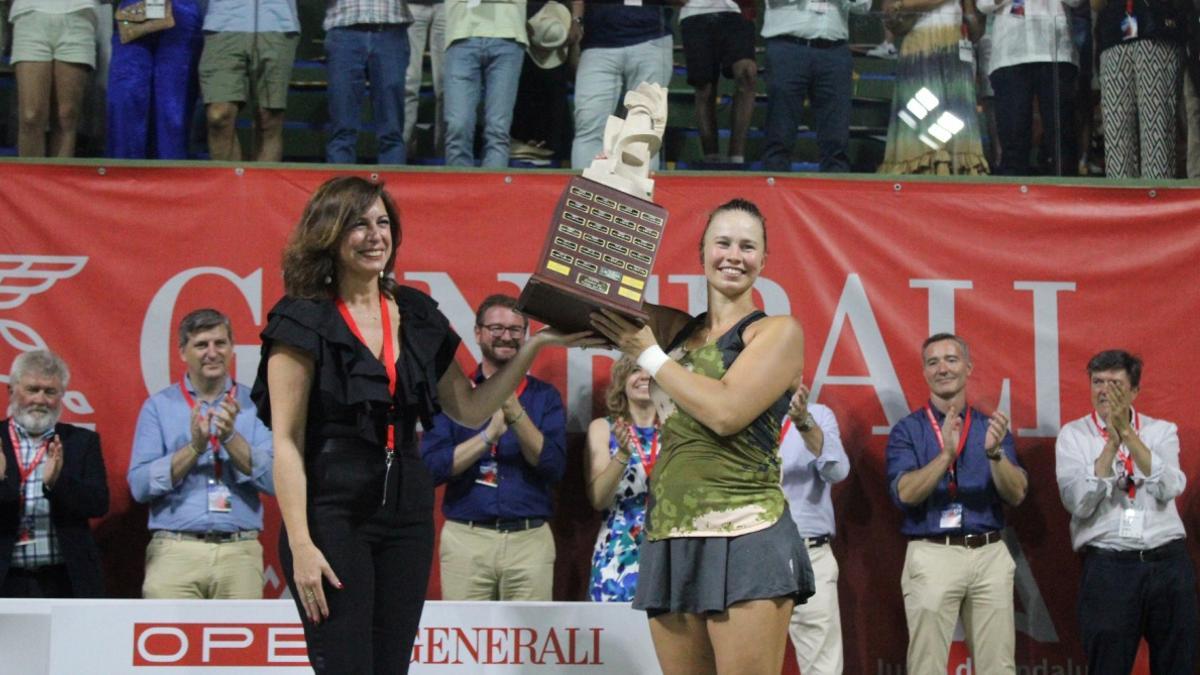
x: 548, y: 31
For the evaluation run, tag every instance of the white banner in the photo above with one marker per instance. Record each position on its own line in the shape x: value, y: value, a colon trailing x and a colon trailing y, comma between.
x: 245, y: 636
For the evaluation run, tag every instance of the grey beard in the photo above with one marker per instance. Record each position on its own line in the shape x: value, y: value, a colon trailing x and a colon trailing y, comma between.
x: 36, y: 424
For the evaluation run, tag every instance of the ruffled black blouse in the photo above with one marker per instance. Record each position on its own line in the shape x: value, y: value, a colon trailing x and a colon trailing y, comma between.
x: 349, y: 396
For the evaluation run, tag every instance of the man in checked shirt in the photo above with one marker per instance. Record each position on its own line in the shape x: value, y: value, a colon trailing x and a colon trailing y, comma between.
x: 1118, y: 474
x: 52, y: 480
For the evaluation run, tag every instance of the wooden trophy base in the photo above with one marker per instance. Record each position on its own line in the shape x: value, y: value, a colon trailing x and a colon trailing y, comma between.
x: 599, y: 253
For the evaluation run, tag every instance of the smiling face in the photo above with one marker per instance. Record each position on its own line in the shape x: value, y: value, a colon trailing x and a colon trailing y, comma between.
x: 946, y: 369
x: 733, y: 251
x: 500, y: 335
x: 366, y: 245
x: 637, y: 386
x: 207, y: 355
x: 1100, y: 381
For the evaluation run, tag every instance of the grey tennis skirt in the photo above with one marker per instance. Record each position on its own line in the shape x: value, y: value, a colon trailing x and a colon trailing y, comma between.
x: 701, y: 575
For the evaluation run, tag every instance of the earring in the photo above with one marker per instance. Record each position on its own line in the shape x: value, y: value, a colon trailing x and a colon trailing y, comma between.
x: 381, y: 274
x: 328, y: 280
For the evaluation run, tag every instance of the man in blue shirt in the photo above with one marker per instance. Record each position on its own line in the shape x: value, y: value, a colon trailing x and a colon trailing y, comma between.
x: 496, y: 543
x: 200, y: 458
x: 949, y: 467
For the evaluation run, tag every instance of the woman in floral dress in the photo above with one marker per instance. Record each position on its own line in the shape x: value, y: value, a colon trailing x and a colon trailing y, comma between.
x: 622, y: 449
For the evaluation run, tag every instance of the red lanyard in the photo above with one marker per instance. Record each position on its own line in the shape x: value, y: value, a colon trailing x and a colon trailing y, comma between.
x: 962, y: 442
x: 1123, y: 455
x: 1128, y: 7
x: 213, y: 441
x: 389, y: 354
x: 25, y: 471
x: 648, y: 460
x: 520, y: 390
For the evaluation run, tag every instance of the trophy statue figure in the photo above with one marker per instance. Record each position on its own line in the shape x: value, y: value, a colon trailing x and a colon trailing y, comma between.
x: 606, y: 230
x: 630, y: 143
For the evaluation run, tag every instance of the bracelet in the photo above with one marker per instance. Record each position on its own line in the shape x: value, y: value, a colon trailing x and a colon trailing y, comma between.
x: 618, y: 458
x: 652, y: 359
x: 197, y: 453
x: 515, y: 419
x: 484, y: 436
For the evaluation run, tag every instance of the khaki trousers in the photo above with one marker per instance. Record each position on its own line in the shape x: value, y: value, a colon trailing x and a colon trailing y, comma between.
x: 482, y: 564
x: 816, y: 626
x: 939, y: 583
x: 188, y: 569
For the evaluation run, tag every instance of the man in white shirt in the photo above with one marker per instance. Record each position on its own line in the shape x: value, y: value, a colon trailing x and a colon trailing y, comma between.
x: 1118, y: 475
x: 813, y: 460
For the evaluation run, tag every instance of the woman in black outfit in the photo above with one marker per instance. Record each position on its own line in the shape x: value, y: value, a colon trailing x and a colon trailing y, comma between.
x: 351, y: 360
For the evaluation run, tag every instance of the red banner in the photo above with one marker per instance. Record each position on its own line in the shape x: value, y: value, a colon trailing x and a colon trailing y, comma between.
x: 99, y: 264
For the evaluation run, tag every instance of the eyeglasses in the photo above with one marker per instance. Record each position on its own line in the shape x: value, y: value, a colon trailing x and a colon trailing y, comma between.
x: 498, y: 329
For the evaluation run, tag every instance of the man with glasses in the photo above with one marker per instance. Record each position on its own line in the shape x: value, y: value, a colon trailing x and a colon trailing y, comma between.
x: 496, y: 543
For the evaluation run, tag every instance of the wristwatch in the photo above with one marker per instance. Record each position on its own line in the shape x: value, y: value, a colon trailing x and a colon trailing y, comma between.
x: 807, y: 425
x: 994, y: 456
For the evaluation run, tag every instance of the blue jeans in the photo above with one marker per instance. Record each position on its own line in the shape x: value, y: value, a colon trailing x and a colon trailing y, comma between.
x: 490, y: 65
x: 378, y: 53
x: 795, y: 72
x: 603, y: 77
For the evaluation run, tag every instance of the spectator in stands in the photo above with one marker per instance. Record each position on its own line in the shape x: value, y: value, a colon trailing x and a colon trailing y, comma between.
x: 53, y: 51
x: 622, y: 449
x: 808, y: 58
x: 496, y: 542
x: 486, y: 45
x: 1033, y: 56
x: 200, y: 458
x: 813, y: 460
x: 1119, y: 476
x: 623, y: 45
x: 427, y: 29
x: 935, y: 76
x: 152, y: 83
x: 542, y: 126
x: 951, y: 469
x: 718, y: 40
x: 1141, y: 65
x: 366, y: 41
x: 248, y: 53
x: 52, y: 480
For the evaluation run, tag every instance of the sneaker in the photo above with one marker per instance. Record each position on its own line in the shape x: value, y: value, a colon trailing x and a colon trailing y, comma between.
x: 883, y: 50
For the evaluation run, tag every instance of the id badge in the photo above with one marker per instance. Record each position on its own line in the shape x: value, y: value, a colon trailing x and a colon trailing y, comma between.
x: 156, y: 9
x: 1129, y: 27
x: 219, y: 500
x: 25, y: 535
x: 1133, y: 521
x: 952, y: 517
x: 966, y: 51
x: 818, y: 6
x: 489, y: 473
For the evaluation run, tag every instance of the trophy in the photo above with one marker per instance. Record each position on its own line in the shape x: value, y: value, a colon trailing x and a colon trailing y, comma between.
x: 605, y: 232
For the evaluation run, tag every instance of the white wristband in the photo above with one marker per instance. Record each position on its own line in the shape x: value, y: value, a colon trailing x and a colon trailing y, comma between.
x: 651, y: 359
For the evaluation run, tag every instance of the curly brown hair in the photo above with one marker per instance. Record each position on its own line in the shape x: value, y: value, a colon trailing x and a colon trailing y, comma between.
x: 614, y: 396
x: 309, y: 259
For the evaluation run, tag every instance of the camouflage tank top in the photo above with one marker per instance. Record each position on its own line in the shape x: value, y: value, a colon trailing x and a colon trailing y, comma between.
x: 704, y: 484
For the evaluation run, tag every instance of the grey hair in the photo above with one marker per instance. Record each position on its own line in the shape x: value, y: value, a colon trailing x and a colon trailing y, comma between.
x: 199, y: 321
x: 41, y: 362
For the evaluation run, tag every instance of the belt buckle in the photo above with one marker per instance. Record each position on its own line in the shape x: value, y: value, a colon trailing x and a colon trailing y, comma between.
x: 970, y: 539
x: 1142, y: 555
x: 212, y: 537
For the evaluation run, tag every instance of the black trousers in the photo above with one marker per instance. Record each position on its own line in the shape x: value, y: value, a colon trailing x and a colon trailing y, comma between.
x: 1053, y: 84
x: 1122, y: 600
x: 381, y: 552
x: 51, y: 581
